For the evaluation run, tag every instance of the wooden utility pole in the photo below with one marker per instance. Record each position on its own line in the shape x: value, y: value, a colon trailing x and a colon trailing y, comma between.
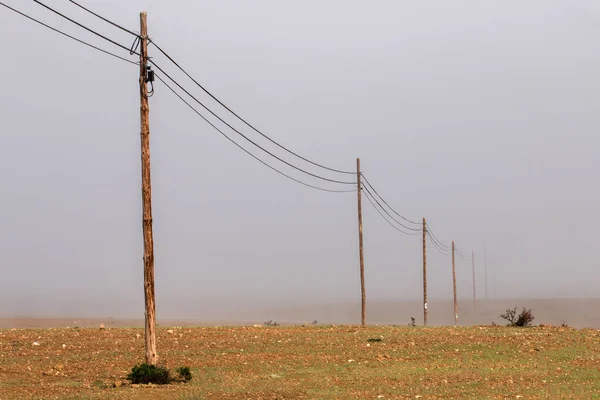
x: 363, y: 309
x: 424, y: 272
x: 454, y: 286
x: 494, y: 275
x: 485, y: 270
x: 473, y: 268
x: 150, y: 316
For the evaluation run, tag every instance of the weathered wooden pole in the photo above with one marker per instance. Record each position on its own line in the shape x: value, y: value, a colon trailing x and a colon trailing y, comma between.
x: 363, y: 309
x: 424, y: 272
x: 473, y: 269
x: 150, y: 315
x: 454, y: 285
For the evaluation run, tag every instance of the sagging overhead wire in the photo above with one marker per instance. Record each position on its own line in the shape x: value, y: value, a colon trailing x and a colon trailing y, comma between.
x: 82, y: 26
x: 105, y: 19
x: 244, y: 136
x: 385, y: 218
x: 433, y: 237
x: 389, y: 215
x: 437, y: 243
x: 197, y: 101
x: 243, y: 149
x: 385, y: 202
x: 214, y: 97
x: 437, y: 247
x: 243, y: 120
x: 69, y: 36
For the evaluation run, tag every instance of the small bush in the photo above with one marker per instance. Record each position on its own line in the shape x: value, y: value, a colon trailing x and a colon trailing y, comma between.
x: 184, y: 374
x: 413, y: 322
x: 525, y: 318
x: 145, y: 374
x: 271, y: 323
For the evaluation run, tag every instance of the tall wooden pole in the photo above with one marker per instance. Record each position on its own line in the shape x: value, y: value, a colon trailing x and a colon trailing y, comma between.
x: 363, y: 309
x: 473, y: 269
x: 454, y: 286
x: 485, y: 270
x: 424, y: 272
x: 150, y: 316
x: 494, y: 276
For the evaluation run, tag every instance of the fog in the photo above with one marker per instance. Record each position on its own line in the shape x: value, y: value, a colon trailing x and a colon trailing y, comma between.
x: 480, y: 116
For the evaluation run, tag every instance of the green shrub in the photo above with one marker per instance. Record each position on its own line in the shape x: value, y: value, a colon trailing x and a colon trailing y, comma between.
x: 184, y: 374
x: 145, y: 374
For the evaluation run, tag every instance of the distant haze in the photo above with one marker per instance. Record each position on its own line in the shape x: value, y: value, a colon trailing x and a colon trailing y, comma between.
x: 481, y: 116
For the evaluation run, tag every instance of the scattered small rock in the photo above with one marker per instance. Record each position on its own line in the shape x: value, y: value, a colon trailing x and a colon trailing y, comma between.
x: 170, y: 331
x: 36, y: 344
x: 102, y: 327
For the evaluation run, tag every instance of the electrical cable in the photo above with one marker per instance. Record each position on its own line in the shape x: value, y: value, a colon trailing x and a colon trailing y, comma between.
x: 132, y: 62
x: 189, y: 94
x: 382, y: 199
x: 83, y: 26
x: 439, y: 249
x: 242, y: 119
x: 242, y: 148
x: 429, y: 230
x: 394, y: 219
x: 69, y: 36
x: 386, y: 220
x: 105, y: 19
x: 244, y: 136
x: 132, y: 51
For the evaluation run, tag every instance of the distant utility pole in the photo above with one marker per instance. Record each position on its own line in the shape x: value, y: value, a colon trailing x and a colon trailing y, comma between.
x: 360, y: 247
x: 150, y: 316
x: 454, y: 286
x: 473, y: 269
x: 424, y: 272
x: 494, y: 276
x: 485, y: 267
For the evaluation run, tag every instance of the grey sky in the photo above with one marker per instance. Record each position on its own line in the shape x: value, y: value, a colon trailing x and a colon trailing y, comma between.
x: 481, y: 116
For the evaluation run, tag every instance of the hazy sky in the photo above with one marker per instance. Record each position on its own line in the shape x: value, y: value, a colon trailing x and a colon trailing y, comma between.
x: 481, y: 116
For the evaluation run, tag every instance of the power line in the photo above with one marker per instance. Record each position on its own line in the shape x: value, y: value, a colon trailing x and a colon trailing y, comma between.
x: 189, y: 94
x: 394, y: 219
x: 432, y: 234
x: 368, y: 196
x: 242, y: 119
x: 69, y: 36
x: 199, y: 102
x: 382, y: 199
x: 83, y: 26
x: 158, y: 67
x: 442, y: 248
x: 104, y: 19
x: 244, y: 136
x: 242, y: 148
x: 438, y: 248
x: 196, y: 82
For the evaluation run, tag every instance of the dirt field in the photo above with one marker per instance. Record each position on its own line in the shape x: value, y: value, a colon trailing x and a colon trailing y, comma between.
x: 316, y: 362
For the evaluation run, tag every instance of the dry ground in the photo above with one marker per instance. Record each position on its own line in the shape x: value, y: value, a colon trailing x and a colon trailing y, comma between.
x: 320, y: 362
